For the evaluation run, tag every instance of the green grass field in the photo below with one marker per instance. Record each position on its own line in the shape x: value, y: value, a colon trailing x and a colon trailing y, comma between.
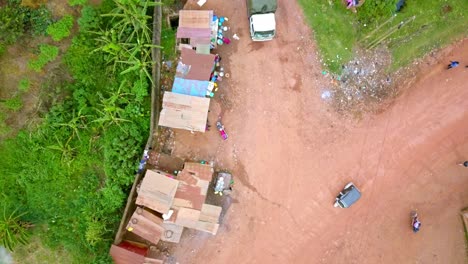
x: 338, y: 30
x: 334, y: 30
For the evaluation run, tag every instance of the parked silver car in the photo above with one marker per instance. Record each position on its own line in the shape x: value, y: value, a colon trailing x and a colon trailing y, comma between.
x: 348, y: 196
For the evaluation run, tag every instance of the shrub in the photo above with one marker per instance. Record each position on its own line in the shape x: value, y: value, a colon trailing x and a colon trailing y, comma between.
x: 24, y: 85
x: 61, y: 29
x: 11, y: 24
x: 37, y: 20
x: 48, y: 54
x: 89, y: 19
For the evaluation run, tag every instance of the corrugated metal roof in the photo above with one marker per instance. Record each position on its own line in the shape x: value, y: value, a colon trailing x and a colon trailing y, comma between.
x: 146, y: 225
x: 194, y: 180
x: 199, y: 170
x: 190, y: 87
x: 172, y: 232
x: 127, y: 253
x: 185, y: 32
x: 200, y: 66
x: 195, y: 18
x: 157, y: 191
x: 184, y: 112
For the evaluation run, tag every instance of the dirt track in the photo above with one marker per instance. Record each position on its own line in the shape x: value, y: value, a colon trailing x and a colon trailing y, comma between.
x: 291, y: 154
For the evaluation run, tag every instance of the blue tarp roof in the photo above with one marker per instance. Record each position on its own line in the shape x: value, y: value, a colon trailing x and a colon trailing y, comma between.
x: 190, y: 87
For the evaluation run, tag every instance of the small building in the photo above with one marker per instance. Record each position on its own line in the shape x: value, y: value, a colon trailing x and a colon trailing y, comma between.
x: 184, y: 112
x: 197, y: 30
x: 195, y: 66
x: 189, y: 205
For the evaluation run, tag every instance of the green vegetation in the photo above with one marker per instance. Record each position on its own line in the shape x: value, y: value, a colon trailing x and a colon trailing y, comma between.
x: 16, y: 20
x: 334, y: 28
x: 15, y: 103
x: 419, y: 27
x: 168, y: 41
x: 24, y: 84
x: 13, y: 231
x: 72, y: 172
x: 36, y: 252
x: 77, y: 2
x: 61, y: 29
x: 47, y: 54
x: 38, y: 20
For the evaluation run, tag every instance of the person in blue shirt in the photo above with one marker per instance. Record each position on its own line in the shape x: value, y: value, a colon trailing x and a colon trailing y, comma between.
x: 453, y: 64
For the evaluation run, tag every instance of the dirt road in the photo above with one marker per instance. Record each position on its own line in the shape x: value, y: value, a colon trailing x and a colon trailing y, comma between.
x: 291, y: 155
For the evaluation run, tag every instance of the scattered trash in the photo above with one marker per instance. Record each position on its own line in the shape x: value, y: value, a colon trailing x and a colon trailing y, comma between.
x: 235, y: 37
x: 363, y: 83
x: 326, y: 95
x: 201, y: 2
x: 168, y: 215
x: 168, y: 63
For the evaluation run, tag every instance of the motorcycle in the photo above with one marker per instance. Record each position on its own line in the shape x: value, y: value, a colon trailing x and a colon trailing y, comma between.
x: 415, y: 223
x: 221, y: 130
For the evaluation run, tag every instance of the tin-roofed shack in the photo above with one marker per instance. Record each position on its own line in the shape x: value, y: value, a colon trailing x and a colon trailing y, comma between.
x: 195, y: 66
x: 184, y: 112
x: 195, y: 29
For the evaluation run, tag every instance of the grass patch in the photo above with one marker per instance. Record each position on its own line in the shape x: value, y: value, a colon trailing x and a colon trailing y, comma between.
x: 24, y: 85
x: 436, y: 24
x: 36, y: 252
x: 61, y: 29
x: 4, y: 128
x: 47, y: 54
x: 334, y: 30
x: 14, y: 104
x: 168, y: 41
x: 338, y: 30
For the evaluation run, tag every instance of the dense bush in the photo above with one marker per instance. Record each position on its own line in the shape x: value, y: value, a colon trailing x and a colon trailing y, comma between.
x: 37, y: 20
x: 89, y: 19
x: 47, y: 54
x: 372, y: 12
x: 61, y: 29
x: 11, y: 24
x: 72, y: 174
x: 15, y: 20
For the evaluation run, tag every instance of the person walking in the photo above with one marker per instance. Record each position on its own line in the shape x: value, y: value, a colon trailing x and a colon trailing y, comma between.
x: 453, y: 64
x: 464, y: 164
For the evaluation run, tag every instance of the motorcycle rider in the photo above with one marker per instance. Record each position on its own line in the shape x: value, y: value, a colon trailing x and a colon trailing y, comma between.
x: 416, y: 224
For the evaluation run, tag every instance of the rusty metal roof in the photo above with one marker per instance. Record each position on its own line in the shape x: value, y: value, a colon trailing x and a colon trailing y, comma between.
x: 157, y: 191
x: 128, y: 253
x: 194, y: 180
x: 184, y: 112
x: 122, y: 255
x: 200, y: 66
x: 146, y: 225
x: 194, y: 23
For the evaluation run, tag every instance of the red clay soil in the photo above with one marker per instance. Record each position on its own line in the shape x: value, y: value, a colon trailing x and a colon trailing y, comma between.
x: 291, y: 154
